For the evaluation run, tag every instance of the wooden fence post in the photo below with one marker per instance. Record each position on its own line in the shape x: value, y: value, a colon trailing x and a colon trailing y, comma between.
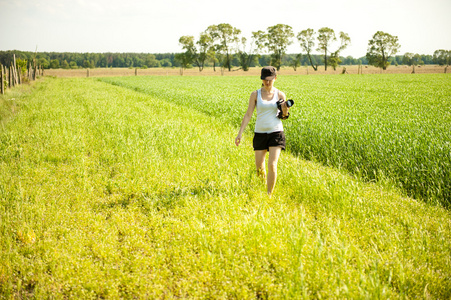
x: 136, y: 71
x: 19, y: 75
x: 1, y: 78
x: 87, y: 72
x: 5, y: 77
x: 10, y: 73
x: 13, y: 69
x: 16, y: 77
x: 16, y: 80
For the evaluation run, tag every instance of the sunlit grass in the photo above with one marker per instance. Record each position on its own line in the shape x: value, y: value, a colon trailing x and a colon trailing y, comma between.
x: 111, y: 193
x: 380, y: 127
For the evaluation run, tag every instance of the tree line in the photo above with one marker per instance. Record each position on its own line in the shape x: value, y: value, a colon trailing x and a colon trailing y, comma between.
x: 69, y: 60
x: 220, y: 44
x: 224, y: 46
x: 73, y: 60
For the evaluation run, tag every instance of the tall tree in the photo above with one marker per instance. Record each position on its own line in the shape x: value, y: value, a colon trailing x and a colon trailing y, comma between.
x: 295, y: 62
x: 259, y: 39
x: 194, y: 55
x: 247, y: 54
x: 380, y: 48
x: 212, y: 56
x: 213, y: 49
x: 442, y: 58
x: 335, y: 60
x: 244, y: 55
x: 276, y: 41
x: 189, y: 56
x: 204, y: 44
x: 307, y: 42
x: 186, y: 58
x: 226, y: 35
x: 325, y: 37
x: 345, y: 40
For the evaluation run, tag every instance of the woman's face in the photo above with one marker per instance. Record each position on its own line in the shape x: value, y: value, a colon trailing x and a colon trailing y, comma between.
x: 268, y: 83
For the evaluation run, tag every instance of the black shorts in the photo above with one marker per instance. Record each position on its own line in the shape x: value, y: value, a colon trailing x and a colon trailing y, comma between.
x: 262, y: 141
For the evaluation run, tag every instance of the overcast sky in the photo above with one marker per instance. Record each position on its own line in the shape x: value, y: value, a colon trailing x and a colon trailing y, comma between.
x: 151, y: 26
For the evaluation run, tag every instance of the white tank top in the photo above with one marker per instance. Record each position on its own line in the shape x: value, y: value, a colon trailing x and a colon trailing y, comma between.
x: 267, y: 120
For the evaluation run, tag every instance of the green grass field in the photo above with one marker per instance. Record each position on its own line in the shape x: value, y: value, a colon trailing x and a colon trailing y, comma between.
x: 136, y: 190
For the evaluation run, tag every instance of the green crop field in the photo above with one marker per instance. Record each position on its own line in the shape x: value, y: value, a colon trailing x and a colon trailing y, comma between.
x: 133, y: 188
x: 391, y: 127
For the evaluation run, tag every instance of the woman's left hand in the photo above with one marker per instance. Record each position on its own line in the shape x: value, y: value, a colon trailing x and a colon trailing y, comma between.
x: 285, y: 108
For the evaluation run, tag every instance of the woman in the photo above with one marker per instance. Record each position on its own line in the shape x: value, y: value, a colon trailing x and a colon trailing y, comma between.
x: 269, y: 135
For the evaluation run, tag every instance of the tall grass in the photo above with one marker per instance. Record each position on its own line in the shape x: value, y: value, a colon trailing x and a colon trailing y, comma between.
x: 110, y: 193
x: 380, y: 127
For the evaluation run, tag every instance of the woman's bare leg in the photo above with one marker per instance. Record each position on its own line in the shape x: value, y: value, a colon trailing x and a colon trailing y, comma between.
x: 274, y: 153
x: 260, y: 163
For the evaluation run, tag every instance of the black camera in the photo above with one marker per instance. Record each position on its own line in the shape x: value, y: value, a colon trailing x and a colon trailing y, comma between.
x: 290, y: 103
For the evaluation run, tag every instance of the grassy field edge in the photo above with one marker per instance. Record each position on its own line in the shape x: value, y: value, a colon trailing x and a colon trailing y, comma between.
x: 101, y: 182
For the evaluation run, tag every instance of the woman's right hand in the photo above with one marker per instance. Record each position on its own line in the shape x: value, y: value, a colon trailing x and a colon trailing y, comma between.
x: 238, y: 140
x: 247, y: 116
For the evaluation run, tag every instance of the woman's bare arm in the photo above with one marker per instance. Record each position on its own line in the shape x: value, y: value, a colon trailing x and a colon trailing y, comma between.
x: 247, y: 116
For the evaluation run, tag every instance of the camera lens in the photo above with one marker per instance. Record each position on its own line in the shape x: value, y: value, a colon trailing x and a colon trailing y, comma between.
x: 290, y: 103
